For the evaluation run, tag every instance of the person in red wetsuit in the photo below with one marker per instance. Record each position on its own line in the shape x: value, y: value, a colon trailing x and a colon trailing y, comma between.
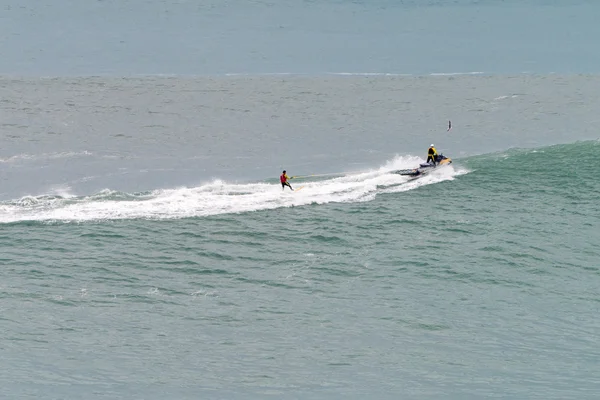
x: 284, y: 181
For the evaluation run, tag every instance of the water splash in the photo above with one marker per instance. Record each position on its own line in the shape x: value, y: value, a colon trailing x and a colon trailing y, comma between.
x: 220, y: 197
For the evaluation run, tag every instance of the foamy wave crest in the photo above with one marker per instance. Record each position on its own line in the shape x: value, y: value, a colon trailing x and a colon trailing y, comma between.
x: 367, y: 74
x: 219, y: 197
x: 348, y: 73
x: 456, y: 73
x: 47, y: 156
x: 513, y: 96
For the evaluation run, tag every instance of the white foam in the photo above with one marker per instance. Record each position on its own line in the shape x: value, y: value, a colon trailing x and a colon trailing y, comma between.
x: 46, y: 156
x: 343, y: 73
x: 367, y: 74
x: 506, y: 97
x: 219, y: 197
x: 456, y: 73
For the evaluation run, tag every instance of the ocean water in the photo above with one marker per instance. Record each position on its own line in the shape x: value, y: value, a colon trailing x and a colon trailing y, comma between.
x: 111, y: 37
x: 148, y: 251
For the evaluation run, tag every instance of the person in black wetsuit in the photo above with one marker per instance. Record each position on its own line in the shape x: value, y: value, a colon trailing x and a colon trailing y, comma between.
x: 432, y: 154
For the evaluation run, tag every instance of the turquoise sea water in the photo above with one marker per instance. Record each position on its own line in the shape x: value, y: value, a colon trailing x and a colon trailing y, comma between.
x: 477, y: 286
x: 148, y: 251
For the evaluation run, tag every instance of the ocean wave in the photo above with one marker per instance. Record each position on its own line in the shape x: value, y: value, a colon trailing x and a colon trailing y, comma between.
x: 220, y: 197
x: 46, y: 156
x: 456, y: 73
x: 347, y: 73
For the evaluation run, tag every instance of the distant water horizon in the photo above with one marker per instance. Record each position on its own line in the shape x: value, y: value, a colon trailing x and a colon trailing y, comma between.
x: 66, y: 38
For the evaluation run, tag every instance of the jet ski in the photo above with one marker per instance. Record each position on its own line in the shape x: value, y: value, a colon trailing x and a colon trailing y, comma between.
x: 425, y: 168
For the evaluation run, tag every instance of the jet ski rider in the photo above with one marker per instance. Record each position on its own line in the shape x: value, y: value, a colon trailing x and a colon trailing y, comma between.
x: 432, y: 154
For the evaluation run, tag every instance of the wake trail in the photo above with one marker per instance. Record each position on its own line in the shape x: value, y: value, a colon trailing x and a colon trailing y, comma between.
x: 219, y: 197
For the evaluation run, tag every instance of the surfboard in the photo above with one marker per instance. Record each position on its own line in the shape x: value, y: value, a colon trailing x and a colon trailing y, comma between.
x: 300, y: 188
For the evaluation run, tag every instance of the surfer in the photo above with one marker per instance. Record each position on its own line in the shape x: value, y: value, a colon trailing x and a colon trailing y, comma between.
x: 284, y: 181
x: 432, y: 154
